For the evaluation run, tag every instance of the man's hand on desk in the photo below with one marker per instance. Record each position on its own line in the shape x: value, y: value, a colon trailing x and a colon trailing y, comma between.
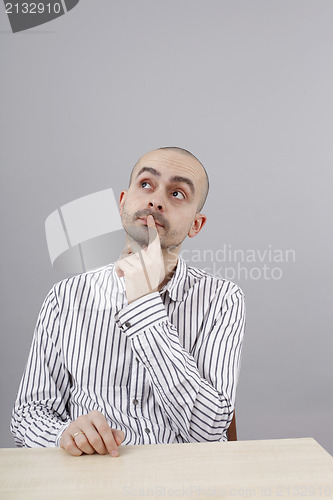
x: 91, y: 434
x: 143, y: 269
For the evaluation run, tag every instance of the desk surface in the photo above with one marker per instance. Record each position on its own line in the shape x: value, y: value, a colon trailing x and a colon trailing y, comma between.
x: 281, y: 468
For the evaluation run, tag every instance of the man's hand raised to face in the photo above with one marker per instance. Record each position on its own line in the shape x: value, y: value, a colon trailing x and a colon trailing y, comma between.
x: 143, y: 269
x: 90, y: 434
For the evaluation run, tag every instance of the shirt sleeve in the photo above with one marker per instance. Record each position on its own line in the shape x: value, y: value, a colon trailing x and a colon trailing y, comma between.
x: 39, y: 414
x: 197, y: 391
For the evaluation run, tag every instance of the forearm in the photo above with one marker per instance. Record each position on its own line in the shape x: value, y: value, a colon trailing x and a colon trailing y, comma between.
x: 35, y: 424
x: 197, y: 409
x: 196, y: 392
x: 39, y: 413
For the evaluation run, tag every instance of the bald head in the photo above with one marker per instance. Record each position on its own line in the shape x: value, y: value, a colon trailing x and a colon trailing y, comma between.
x: 196, y: 162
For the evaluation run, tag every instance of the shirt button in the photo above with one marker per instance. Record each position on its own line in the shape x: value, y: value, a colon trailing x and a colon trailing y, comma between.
x: 127, y: 324
x: 147, y: 430
x: 135, y: 402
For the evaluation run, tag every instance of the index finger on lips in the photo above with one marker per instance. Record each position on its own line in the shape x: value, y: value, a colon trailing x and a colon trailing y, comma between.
x: 154, y: 238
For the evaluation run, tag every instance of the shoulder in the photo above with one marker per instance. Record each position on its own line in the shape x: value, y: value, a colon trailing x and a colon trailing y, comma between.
x: 83, y: 287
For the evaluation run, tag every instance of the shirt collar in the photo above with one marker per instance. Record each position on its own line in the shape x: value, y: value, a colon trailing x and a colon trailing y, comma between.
x: 176, y: 287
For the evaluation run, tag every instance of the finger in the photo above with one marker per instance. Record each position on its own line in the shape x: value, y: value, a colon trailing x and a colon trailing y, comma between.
x: 126, y: 251
x: 153, y: 236
x: 95, y: 440
x: 68, y: 444
x: 118, y: 435
x: 126, y: 265
x: 105, y: 432
x: 134, y: 246
x: 119, y: 272
x: 82, y: 443
x: 130, y: 266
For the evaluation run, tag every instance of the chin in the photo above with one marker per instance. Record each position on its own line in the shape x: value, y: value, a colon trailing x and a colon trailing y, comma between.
x: 139, y: 234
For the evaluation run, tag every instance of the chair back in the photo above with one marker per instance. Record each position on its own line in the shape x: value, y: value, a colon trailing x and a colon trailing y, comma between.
x: 232, y: 431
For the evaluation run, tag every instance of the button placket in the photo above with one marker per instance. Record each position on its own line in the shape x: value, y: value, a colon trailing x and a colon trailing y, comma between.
x: 137, y: 375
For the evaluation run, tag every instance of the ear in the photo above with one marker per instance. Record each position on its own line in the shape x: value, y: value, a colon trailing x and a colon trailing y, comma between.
x: 197, y: 225
x: 122, y: 201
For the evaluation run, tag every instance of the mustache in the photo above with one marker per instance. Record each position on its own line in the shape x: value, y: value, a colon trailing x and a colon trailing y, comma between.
x: 157, y: 217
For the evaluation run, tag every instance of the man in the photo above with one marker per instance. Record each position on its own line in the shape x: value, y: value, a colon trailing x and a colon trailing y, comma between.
x: 146, y: 350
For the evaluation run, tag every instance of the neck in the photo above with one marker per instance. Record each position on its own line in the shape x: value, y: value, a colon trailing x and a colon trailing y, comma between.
x: 170, y: 257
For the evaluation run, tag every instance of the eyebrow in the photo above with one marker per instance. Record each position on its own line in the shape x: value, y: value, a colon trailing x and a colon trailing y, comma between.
x: 148, y: 169
x: 175, y: 178
x: 178, y: 178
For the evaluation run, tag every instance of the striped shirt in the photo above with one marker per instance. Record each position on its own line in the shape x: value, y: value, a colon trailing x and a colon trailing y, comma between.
x: 163, y: 369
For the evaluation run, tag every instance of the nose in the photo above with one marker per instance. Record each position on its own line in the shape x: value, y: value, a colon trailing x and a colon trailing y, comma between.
x: 155, y: 205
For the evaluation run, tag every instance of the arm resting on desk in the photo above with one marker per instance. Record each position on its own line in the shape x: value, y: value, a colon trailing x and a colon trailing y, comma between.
x: 197, y: 390
x: 39, y: 415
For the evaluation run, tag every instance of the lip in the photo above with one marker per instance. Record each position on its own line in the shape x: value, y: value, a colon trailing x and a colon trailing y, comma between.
x: 144, y: 219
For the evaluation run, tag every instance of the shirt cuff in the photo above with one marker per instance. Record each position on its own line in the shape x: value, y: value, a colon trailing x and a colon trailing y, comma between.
x: 141, y: 314
x: 59, y: 434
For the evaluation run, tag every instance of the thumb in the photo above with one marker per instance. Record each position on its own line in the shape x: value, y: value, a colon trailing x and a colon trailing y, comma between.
x: 119, y: 436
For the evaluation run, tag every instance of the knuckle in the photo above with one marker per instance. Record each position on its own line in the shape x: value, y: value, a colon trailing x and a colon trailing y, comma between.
x: 80, y: 418
x: 104, y: 427
x: 68, y: 431
x: 98, y: 419
x: 94, y: 414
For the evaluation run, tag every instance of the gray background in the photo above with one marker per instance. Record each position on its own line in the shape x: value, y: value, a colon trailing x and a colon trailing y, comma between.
x: 247, y: 87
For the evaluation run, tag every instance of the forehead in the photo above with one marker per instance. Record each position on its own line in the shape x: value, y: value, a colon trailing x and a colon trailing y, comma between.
x: 171, y: 163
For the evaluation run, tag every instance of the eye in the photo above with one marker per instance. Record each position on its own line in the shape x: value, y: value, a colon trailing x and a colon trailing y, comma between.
x: 145, y: 184
x: 179, y: 195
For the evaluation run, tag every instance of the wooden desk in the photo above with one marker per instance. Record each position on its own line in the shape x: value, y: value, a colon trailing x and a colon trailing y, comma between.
x: 282, y: 468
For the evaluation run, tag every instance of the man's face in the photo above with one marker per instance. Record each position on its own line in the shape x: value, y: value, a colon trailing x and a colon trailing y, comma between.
x: 168, y: 185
